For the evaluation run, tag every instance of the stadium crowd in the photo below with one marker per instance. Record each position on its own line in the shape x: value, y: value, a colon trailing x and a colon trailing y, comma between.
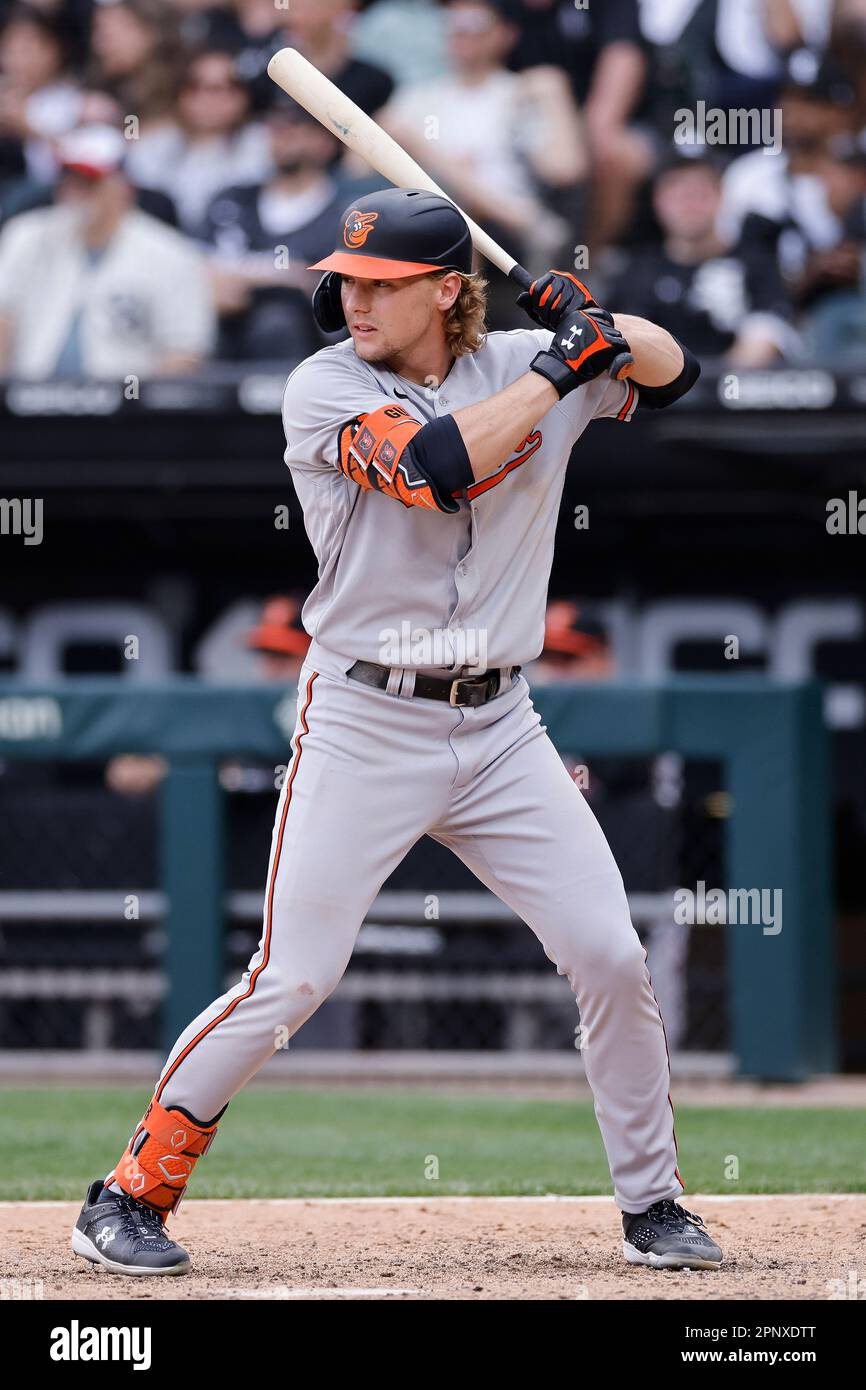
x: 700, y: 162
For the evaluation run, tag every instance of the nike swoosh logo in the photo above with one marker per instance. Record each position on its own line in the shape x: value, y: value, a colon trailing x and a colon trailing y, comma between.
x: 401, y: 394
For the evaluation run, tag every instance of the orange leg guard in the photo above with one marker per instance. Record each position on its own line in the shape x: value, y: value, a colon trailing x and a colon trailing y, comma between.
x: 157, y: 1163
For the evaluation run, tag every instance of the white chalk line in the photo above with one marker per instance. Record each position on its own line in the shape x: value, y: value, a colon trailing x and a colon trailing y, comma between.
x: 688, y: 1198
x: 282, y: 1291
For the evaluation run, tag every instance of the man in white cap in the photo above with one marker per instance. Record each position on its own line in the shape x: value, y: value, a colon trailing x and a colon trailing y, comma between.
x: 92, y: 286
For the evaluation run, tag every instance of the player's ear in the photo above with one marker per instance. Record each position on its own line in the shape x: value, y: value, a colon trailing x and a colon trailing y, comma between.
x: 447, y: 289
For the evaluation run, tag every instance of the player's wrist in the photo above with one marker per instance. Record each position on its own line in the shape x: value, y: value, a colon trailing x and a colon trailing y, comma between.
x: 556, y: 372
x: 542, y: 392
x: 585, y: 345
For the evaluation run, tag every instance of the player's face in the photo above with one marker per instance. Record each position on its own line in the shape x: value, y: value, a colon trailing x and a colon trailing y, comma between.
x: 387, y: 318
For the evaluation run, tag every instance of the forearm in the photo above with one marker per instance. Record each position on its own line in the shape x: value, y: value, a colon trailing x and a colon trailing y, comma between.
x: 658, y: 358
x: 617, y: 83
x: 558, y: 156
x: 560, y: 160
x: 492, y: 429
x: 782, y: 25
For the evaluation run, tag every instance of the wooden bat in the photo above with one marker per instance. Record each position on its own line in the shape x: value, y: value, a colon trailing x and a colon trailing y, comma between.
x: 339, y: 114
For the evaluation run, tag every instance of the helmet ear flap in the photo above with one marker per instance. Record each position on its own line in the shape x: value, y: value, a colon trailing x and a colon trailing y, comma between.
x: 327, y: 303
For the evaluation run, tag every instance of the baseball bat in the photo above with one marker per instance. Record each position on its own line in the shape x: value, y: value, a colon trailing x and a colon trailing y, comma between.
x: 339, y: 114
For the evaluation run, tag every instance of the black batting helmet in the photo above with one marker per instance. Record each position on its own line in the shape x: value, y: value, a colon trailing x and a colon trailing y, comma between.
x: 389, y: 236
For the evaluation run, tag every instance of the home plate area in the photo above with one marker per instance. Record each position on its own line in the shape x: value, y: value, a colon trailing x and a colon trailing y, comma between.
x: 800, y: 1246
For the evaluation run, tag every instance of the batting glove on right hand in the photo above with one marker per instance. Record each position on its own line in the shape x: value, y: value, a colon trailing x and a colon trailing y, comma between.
x: 552, y: 296
x: 585, y: 343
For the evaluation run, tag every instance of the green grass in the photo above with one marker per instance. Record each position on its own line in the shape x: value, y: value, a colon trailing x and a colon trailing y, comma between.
x: 341, y: 1143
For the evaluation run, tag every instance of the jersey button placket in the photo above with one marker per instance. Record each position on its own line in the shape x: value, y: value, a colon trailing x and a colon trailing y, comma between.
x: 455, y: 624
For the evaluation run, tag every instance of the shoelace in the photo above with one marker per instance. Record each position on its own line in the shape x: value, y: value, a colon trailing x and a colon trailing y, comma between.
x: 138, y: 1220
x: 672, y: 1216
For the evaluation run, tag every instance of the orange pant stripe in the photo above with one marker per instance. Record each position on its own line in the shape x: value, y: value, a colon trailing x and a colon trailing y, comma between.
x: 270, y: 904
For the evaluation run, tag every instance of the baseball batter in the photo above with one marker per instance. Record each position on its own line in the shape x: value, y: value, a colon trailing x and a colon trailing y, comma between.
x: 429, y: 458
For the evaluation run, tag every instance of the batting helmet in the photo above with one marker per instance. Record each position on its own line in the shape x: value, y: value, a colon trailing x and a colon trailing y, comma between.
x: 390, y: 236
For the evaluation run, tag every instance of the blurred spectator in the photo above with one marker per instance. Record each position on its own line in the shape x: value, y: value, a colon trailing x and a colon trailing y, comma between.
x: 96, y: 109
x: 135, y: 774
x: 572, y: 37
x: 405, y: 37
x: 280, y: 643
x: 727, y: 53
x: 320, y: 29
x: 135, y: 51
x: 280, y: 639
x: 847, y: 48
x: 602, y: 51
x: 803, y: 210
x: 38, y: 100
x: 720, y: 300
x: 264, y: 236
x: 496, y: 140
x: 830, y: 290
x: 250, y: 29
x: 94, y: 287
x: 576, y: 647
x: 784, y: 185
x: 210, y: 145
x: 546, y: 119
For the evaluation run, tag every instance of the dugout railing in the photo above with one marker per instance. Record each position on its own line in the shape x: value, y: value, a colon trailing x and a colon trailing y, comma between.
x: 769, y: 738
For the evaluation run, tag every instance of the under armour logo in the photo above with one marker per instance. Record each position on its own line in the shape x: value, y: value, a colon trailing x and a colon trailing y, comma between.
x: 105, y: 1237
x: 568, y: 343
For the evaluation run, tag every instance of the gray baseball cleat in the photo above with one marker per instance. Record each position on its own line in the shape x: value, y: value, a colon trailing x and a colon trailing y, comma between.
x: 125, y: 1236
x: 667, y: 1236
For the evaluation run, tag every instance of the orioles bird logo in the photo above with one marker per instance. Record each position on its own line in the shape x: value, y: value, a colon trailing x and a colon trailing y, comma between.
x: 357, y: 227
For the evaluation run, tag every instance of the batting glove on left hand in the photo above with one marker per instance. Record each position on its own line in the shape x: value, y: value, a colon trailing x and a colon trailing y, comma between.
x: 585, y: 344
x: 552, y: 296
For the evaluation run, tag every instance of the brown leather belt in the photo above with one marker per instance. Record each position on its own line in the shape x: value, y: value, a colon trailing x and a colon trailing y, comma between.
x: 461, y: 690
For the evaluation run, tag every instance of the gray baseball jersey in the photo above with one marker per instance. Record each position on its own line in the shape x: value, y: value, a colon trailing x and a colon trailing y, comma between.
x: 372, y: 770
x: 481, y: 570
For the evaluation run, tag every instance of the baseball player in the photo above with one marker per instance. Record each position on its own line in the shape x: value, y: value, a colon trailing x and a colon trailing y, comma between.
x: 429, y: 458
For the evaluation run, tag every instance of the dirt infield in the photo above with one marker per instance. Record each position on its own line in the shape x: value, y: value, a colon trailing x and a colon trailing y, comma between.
x: 790, y: 1247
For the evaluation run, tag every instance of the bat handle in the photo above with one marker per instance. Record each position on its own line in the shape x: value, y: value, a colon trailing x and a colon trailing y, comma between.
x: 520, y: 276
x: 621, y: 365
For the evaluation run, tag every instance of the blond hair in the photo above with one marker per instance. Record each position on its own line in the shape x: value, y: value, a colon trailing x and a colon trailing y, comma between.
x: 465, y: 322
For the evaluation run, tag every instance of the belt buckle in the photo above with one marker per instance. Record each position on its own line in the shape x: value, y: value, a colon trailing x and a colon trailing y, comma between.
x: 475, y: 683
